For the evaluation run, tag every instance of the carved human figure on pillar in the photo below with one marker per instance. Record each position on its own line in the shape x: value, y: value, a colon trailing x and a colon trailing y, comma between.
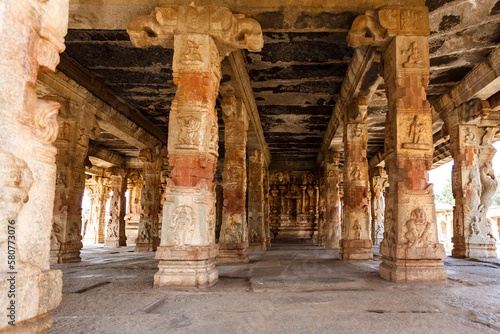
x: 233, y: 241
x: 401, y: 34
x: 201, y: 38
x: 356, y: 243
x: 148, y: 238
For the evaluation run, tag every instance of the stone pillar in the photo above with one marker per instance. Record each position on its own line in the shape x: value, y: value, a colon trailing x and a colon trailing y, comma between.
x: 32, y: 35
x: 233, y: 241
x: 148, y: 239
x: 134, y: 187
x: 256, y: 226
x: 474, y: 182
x: 98, y: 191
x: 267, y: 209
x: 410, y: 250
x: 115, y: 235
x: 201, y: 38
x: 332, y: 201
x: 356, y: 243
x: 75, y: 127
x: 378, y: 182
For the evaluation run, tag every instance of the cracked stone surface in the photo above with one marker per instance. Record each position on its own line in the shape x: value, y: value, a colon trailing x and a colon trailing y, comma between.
x: 287, y: 289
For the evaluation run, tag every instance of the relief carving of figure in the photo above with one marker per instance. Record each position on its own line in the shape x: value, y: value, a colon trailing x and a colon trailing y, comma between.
x: 417, y: 131
x: 489, y: 229
x: 418, y: 234
x: 474, y: 226
x: 469, y: 136
x: 356, y: 173
x: 414, y: 56
x: 189, y: 130
x: 489, y: 185
x: 357, y: 230
x: 191, y: 53
x: 183, y: 225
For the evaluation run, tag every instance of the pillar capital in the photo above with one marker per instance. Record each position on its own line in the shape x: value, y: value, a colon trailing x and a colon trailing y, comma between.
x: 229, y: 31
x: 377, y: 27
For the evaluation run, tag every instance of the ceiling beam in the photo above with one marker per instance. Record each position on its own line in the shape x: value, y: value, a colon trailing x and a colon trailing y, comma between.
x: 358, y: 80
x: 108, y: 118
x: 102, y: 153
x: 96, y: 86
x: 256, y: 134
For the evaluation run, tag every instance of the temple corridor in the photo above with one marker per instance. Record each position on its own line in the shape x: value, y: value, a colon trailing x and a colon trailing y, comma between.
x: 290, y: 288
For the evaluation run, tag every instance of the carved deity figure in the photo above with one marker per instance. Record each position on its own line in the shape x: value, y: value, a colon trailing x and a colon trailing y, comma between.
x: 356, y: 173
x: 417, y: 131
x: 414, y: 56
x: 183, y: 225
x: 489, y: 230
x: 474, y: 226
x: 191, y: 53
x: 418, y: 227
x: 189, y: 130
x: 357, y: 230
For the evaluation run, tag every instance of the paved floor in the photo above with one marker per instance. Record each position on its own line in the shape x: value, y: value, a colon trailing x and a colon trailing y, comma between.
x: 288, y: 289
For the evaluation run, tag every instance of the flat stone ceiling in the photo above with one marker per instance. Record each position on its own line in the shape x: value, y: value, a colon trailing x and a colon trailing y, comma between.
x: 297, y: 77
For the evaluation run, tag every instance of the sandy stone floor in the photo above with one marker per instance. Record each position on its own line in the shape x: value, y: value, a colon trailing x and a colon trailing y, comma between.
x: 288, y: 289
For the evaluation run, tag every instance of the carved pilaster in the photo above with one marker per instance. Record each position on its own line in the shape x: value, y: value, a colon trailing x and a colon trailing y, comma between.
x: 32, y: 38
x: 267, y: 208
x: 378, y: 182
x: 233, y: 241
x: 332, y: 201
x: 115, y: 234
x: 201, y: 38
x: 356, y: 243
x: 410, y: 249
x: 148, y: 238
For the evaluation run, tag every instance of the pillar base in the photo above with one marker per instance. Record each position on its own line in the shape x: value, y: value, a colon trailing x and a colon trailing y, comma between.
x: 116, y: 242
x: 268, y: 242
x: 187, y: 266
x: 474, y: 247
x: 40, y: 324
x: 413, y: 271
x: 236, y: 255
x: 66, y: 253
x: 257, y: 246
x: 356, y: 250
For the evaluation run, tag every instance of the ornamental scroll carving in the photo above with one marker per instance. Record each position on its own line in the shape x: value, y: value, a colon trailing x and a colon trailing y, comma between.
x: 230, y: 31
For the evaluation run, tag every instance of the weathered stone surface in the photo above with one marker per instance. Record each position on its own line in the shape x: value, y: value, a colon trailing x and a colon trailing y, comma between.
x: 257, y: 234
x: 98, y: 189
x: 115, y: 235
x: 333, y: 178
x: 233, y: 241
x: 378, y: 185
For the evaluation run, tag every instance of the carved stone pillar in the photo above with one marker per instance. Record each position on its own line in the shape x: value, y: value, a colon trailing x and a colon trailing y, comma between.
x: 356, y: 243
x: 267, y: 215
x: 98, y: 190
x: 201, y: 37
x: 115, y: 235
x: 474, y: 182
x: 147, y: 238
x: 32, y: 35
x: 233, y: 240
x: 256, y: 226
x: 332, y: 201
x: 378, y: 181
x: 72, y: 146
x: 134, y: 187
x: 410, y: 250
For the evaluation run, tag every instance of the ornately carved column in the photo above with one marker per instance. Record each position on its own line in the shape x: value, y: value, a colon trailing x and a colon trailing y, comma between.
x: 75, y: 127
x: 356, y: 243
x: 31, y: 35
x: 134, y: 188
x: 332, y: 201
x: 233, y: 241
x: 148, y: 238
x: 201, y: 38
x: 98, y: 190
x: 472, y: 127
x: 410, y: 250
x: 115, y: 235
x: 267, y: 208
x: 256, y: 225
x: 378, y: 182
